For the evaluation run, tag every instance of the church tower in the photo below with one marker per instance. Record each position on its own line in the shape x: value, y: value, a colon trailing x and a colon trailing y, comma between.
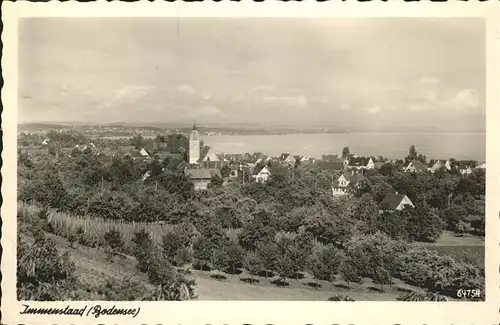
x: 194, y: 145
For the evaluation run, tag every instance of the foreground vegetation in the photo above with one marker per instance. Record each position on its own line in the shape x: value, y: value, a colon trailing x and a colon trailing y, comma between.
x: 285, y: 230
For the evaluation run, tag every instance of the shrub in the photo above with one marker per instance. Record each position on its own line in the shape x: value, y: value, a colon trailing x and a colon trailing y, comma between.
x: 439, y: 273
x: 340, y: 298
x: 325, y: 264
x: 43, y: 273
x: 268, y: 254
x: 174, y: 248
x: 463, y: 227
x: 127, y: 290
x: 114, y: 239
x: 421, y: 296
x: 202, y: 252
x: 169, y: 284
x: 219, y: 259
x: 252, y: 263
x: 143, y: 250
x: 350, y: 271
x: 235, y: 255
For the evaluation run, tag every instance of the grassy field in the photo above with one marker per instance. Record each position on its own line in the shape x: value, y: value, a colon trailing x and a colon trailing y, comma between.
x: 467, y: 247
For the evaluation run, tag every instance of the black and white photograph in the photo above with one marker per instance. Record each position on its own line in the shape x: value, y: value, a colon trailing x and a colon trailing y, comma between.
x: 329, y: 159
x: 203, y: 164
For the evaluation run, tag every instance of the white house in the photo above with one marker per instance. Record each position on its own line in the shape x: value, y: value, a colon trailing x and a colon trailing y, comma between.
x: 414, y: 166
x: 263, y: 175
x: 370, y: 164
x: 440, y: 164
x: 290, y: 160
x: 396, y: 202
x: 348, y: 182
x: 210, y: 155
x: 144, y: 153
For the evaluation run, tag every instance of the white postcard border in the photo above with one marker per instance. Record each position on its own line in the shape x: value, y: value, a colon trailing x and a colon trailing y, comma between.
x: 240, y: 312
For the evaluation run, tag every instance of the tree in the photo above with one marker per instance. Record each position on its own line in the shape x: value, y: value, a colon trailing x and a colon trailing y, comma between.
x: 156, y: 168
x: 202, y: 252
x: 345, y: 152
x: 374, y: 256
x: 174, y: 248
x: 143, y: 250
x: 227, y: 217
x: 454, y: 215
x: 219, y: 259
x: 349, y: 271
x: 387, y: 169
x: 380, y: 190
x: 235, y: 255
x: 290, y: 259
x: 225, y: 171
x: 253, y: 264
x: 170, y: 285
x: 392, y: 224
x: 46, y: 188
x: 463, y: 227
x: 334, y: 229
x: 478, y: 224
x: 215, y: 182
x: 325, y: 264
x: 366, y: 210
x: 422, y: 224
x: 268, y: 254
x: 177, y: 183
x: 43, y: 272
x: 413, y: 155
x: 261, y: 229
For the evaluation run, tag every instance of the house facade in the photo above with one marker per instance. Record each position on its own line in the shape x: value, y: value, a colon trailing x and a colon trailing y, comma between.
x: 348, y: 182
x: 440, y: 164
x: 263, y: 175
x: 201, y: 177
x: 414, y: 167
x: 396, y: 202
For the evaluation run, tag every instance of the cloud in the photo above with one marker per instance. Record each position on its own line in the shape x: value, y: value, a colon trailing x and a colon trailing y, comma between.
x: 465, y: 99
x: 209, y: 110
x: 296, y: 101
x: 427, y: 81
x: 263, y: 87
x: 185, y: 89
x: 128, y: 94
x: 345, y: 106
x: 374, y: 109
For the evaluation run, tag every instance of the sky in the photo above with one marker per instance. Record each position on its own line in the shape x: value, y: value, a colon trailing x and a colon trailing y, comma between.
x: 280, y: 71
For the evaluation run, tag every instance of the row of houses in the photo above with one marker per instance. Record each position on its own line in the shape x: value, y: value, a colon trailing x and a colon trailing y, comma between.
x: 465, y: 167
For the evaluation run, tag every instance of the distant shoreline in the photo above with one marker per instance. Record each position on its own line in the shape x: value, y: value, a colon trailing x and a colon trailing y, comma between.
x: 131, y: 130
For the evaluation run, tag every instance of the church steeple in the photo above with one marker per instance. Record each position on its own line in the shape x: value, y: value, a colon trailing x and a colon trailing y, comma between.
x: 194, y: 126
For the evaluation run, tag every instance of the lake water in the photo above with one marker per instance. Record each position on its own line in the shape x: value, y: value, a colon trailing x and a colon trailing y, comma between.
x: 392, y: 145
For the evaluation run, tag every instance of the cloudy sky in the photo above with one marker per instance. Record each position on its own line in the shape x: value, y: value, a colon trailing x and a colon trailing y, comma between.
x: 339, y: 72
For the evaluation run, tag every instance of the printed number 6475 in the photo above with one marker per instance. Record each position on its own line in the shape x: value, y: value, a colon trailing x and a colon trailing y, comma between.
x: 468, y: 293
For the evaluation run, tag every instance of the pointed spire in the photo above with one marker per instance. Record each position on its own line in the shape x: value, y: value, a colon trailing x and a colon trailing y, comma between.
x: 194, y: 125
